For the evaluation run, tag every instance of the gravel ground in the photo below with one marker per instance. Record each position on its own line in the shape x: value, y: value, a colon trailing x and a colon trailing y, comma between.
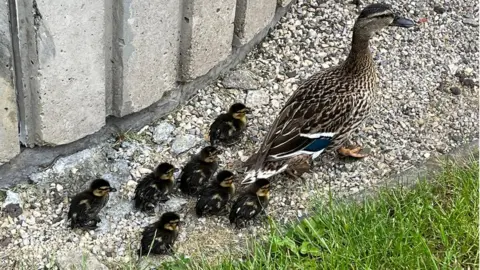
x: 429, y: 89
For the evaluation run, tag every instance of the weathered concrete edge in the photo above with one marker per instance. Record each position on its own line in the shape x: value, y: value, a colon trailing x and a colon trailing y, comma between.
x: 31, y: 160
x: 425, y: 171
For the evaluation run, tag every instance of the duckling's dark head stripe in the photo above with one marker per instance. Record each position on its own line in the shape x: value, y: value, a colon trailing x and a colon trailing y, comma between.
x: 375, y: 10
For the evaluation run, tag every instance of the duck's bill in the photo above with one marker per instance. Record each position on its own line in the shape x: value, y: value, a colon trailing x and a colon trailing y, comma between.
x: 402, y: 22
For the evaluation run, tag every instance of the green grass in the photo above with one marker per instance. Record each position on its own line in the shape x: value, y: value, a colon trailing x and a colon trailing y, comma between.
x: 431, y: 226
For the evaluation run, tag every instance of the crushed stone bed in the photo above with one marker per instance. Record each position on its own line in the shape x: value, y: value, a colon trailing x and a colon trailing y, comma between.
x: 429, y: 105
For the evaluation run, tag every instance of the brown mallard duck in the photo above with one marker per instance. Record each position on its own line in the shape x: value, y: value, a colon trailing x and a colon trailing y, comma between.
x: 329, y: 106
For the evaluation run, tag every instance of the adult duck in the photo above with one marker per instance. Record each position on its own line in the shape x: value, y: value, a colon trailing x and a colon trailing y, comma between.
x: 326, y: 108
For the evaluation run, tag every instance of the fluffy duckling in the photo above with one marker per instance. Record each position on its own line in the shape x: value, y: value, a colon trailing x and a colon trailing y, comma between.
x: 198, y: 170
x: 251, y: 203
x: 85, y: 206
x: 214, y: 198
x: 154, y: 187
x: 228, y: 127
x: 159, y: 237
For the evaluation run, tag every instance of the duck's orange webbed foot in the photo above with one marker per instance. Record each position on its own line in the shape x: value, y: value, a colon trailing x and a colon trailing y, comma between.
x: 351, y: 152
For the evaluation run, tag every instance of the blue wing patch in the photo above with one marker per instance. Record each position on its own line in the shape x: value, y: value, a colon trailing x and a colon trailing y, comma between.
x: 318, y: 144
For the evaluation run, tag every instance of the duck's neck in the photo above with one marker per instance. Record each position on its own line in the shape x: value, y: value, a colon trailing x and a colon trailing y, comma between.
x: 360, y: 58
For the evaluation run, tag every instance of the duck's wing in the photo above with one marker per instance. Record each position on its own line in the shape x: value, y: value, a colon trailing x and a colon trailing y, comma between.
x: 80, y: 208
x: 221, y: 128
x: 211, y: 200
x: 307, y: 124
x: 245, y: 207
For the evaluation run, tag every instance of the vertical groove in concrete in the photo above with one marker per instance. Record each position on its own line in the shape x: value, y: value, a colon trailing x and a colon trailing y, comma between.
x: 108, y: 6
x: 251, y: 16
x: 207, y: 30
x: 25, y: 63
x: 185, y: 38
x: 9, y: 144
x: 17, y: 67
x: 118, y: 43
x: 240, y: 14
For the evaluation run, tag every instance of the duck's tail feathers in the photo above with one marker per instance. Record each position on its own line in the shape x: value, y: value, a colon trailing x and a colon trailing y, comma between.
x: 252, y: 176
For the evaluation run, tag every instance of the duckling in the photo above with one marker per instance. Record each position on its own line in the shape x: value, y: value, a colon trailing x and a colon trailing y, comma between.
x: 85, y: 206
x: 159, y: 237
x: 251, y: 203
x: 154, y: 187
x: 214, y: 198
x: 228, y: 127
x: 198, y: 170
x: 329, y: 106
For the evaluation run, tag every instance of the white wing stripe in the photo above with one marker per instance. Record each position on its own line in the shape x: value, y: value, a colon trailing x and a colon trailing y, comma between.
x: 316, y: 154
x: 318, y: 135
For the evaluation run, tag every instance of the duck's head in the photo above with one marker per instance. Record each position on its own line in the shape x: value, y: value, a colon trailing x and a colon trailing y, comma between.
x: 239, y: 110
x: 375, y: 17
x: 225, y: 178
x: 169, y: 221
x: 101, y: 187
x: 261, y: 187
x: 165, y: 171
x: 209, y: 154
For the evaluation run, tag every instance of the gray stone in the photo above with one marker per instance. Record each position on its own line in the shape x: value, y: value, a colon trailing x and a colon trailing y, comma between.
x: 471, y: 21
x: 207, y: 33
x: 75, y: 172
x: 174, y: 204
x: 13, y: 210
x: 78, y: 259
x: 439, y: 9
x: 113, y: 213
x: 241, y: 80
x: 257, y: 98
x: 162, y: 132
x: 251, y: 17
x: 284, y: 3
x: 468, y: 82
x: 455, y: 90
x: 12, y: 204
x: 183, y: 143
x: 12, y: 198
x: 9, y: 144
x: 145, y: 53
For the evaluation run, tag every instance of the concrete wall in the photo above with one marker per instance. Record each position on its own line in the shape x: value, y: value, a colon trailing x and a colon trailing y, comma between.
x: 251, y: 17
x: 146, y: 44
x: 9, y: 142
x: 72, y: 70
